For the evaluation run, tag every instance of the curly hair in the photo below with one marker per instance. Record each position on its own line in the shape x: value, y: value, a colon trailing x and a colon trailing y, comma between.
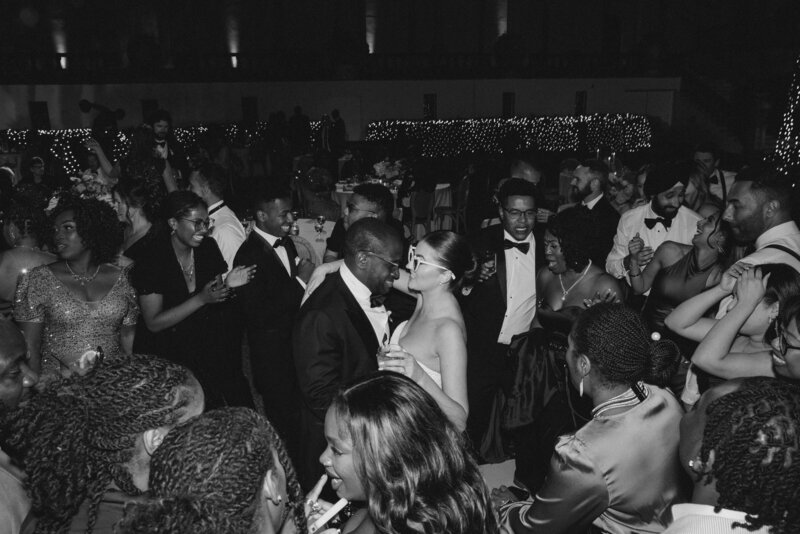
x: 577, y: 233
x: 207, y: 475
x: 30, y: 220
x: 75, y: 438
x: 96, y: 223
x: 412, y: 462
x: 616, y: 341
x: 755, y: 435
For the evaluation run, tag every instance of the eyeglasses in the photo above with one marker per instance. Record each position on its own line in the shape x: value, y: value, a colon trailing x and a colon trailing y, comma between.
x: 783, y: 345
x: 415, y: 261
x: 395, y: 266
x: 200, y: 224
x: 352, y: 207
x: 516, y: 214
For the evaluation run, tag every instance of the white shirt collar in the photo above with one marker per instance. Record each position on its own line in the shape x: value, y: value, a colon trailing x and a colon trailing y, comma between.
x: 592, y: 203
x: 686, y: 509
x: 781, y: 230
x: 215, y: 204
x: 528, y: 239
x: 356, y: 287
x: 269, y: 238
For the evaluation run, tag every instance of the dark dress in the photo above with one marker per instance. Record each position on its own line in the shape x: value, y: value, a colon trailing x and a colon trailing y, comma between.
x: 673, y: 285
x: 136, y: 251
x: 202, y: 341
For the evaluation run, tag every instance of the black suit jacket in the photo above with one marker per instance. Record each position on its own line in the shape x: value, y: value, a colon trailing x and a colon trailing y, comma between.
x: 606, y: 220
x: 270, y: 302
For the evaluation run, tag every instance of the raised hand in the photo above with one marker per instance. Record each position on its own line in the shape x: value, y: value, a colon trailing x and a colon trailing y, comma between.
x: 751, y: 286
x: 240, y: 276
x: 733, y: 273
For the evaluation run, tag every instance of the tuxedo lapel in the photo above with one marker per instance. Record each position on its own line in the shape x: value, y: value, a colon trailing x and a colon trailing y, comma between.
x: 358, y: 318
x: 502, y: 277
x: 270, y: 254
x: 291, y: 251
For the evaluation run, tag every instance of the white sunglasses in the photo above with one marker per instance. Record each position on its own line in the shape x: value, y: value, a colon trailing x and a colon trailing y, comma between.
x: 415, y: 261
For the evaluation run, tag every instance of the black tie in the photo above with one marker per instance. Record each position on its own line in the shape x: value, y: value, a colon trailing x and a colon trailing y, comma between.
x: 713, y: 179
x: 280, y: 242
x: 522, y: 247
x: 651, y: 223
x: 376, y: 301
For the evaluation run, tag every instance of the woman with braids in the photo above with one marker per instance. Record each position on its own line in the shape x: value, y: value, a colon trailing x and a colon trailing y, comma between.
x: 24, y: 228
x: 620, y: 472
x: 69, y: 308
x: 138, y: 202
x: 740, y: 446
x: 738, y: 345
x: 392, y: 448
x: 179, y: 282
x: 86, y: 442
x: 224, y: 472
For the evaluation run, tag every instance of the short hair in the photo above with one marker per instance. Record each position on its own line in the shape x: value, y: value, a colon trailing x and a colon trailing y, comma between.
x: 379, y: 195
x: 598, y: 170
x: 208, y: 474
x: 783, y: 283
x: 269, y: 193
x: 214, y: 176
x: 769, y: 182
x: 368, y: 234
x: 414, y: 466
x: 142, y: 194
x: 755, y: 435
x: 617, y: 343
x: 75, y: 437
x: 453, y: 252
x: 178, y: 204
x: 577, y: 232
x: 36, y: 160
x: 158, y: 116
x: 515, y: 187
x: 522, y: 160
x: 707, y: 148
x: 96, y: 223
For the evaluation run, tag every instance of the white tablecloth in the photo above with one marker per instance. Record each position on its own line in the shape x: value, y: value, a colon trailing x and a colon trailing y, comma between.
x: 307, y: 233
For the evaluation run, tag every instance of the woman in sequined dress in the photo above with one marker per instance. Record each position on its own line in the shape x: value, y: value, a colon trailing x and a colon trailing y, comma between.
x: 80, y: 302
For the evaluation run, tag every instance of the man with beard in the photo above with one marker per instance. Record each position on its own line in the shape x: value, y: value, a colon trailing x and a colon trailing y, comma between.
x: 165, y: 146
x: 15, y: 378
x: 588, y: 190
x: 664, y: 218
x: 719, y: 183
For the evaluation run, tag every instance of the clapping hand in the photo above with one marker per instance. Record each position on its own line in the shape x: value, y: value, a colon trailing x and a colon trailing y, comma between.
x: 729, y: 278
x: 214, y: 292
x: 240, y: 276
x: 638, y: 252
x: 608, y: 296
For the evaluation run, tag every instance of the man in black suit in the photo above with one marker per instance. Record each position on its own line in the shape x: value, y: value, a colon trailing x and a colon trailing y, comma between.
x: 339, y: 329
x: 269, y: 305
x: 588, y: 189
x: 503, y: 303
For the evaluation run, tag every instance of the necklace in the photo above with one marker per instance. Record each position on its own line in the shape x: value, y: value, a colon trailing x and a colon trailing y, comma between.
x: 188, y: 271
x: 83, y: 278
x: 561, y: 281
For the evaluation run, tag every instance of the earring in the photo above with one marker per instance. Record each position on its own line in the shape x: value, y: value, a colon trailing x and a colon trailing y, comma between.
x: 280, y: 499
x: 580, y: 388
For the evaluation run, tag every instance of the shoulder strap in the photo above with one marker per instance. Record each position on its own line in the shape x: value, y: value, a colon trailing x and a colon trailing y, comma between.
x: 787, y: 250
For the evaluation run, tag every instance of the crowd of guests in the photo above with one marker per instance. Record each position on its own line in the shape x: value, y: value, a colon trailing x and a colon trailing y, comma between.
x: 166, y: 368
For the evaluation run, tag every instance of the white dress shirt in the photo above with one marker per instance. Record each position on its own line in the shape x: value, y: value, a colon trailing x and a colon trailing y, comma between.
x: 378, y: 316
x: 682, y: 230
x: 716, y: 189
x: 228, y: 232
x: 592, y: 203
x: 520, y: 290
x: 691, y: 518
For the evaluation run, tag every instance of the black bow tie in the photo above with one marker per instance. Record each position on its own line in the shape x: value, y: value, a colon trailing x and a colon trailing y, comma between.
x: 651, y: 223
x: 522, y: 247
x: 376, y: 301
x: 713, y: 179
x: 281, y: 242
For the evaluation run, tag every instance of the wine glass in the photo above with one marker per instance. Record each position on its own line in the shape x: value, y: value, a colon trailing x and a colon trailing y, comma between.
x: 489, y: 261
x: 319, y: 226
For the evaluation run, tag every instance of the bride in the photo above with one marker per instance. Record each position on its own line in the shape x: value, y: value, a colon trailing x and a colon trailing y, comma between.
x: 431, y: 347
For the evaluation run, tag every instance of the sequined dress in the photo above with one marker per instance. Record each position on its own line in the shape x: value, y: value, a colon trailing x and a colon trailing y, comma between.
x: 71, y: 325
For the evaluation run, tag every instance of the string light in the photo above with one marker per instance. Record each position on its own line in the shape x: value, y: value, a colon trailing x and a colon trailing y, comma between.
x: 787, y: 147
x: 444, y: 138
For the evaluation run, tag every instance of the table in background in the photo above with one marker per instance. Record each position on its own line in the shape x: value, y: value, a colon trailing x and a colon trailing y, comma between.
x: 308, y: 233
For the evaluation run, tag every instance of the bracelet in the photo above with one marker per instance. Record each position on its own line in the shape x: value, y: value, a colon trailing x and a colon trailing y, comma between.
x: 631, y: 275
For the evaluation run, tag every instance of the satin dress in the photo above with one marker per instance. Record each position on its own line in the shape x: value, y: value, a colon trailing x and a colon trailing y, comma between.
x: 618, y: 474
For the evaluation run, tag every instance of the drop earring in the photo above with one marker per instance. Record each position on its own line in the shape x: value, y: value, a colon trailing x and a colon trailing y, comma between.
x: 580, y: 388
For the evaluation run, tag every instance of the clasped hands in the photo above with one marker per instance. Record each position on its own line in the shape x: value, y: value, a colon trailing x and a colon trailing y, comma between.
x: 638, y: 252
x: 215, y: 292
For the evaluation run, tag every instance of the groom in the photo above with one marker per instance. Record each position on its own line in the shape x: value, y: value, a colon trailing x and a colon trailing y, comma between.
x: 339, y: 329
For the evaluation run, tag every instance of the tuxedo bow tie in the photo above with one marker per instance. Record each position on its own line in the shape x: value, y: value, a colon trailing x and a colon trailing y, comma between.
x: 713, y: 179
x: 281, y: 242
x: 522, y: 247
x: 652, y: 222
x: 376, y: 301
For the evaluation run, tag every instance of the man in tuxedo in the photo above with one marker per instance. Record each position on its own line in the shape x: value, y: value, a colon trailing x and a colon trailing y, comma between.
x: 503, y: 303
x: 339, y: 329
x: 165, y: 147
x: 269, y: 305
x: 719, y: 183
x: 588, y: 189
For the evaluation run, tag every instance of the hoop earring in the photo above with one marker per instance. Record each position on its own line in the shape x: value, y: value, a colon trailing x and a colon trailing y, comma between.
x: 580, y: 388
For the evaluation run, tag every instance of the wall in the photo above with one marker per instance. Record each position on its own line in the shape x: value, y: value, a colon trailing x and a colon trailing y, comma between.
x: 359, y: 102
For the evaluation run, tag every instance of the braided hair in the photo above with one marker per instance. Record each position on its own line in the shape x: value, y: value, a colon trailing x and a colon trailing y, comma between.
x: 618, y: 345
x: 207, y: 475
x: 413, y: 464
x: 75, y: 438
x: 755, y: 435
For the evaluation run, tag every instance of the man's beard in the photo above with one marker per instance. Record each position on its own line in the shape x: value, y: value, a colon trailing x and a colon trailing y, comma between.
x: 668, y: 212
x: 580, y: 194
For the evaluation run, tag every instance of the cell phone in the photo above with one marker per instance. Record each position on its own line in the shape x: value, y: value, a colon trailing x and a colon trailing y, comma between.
x: 519, y: 493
